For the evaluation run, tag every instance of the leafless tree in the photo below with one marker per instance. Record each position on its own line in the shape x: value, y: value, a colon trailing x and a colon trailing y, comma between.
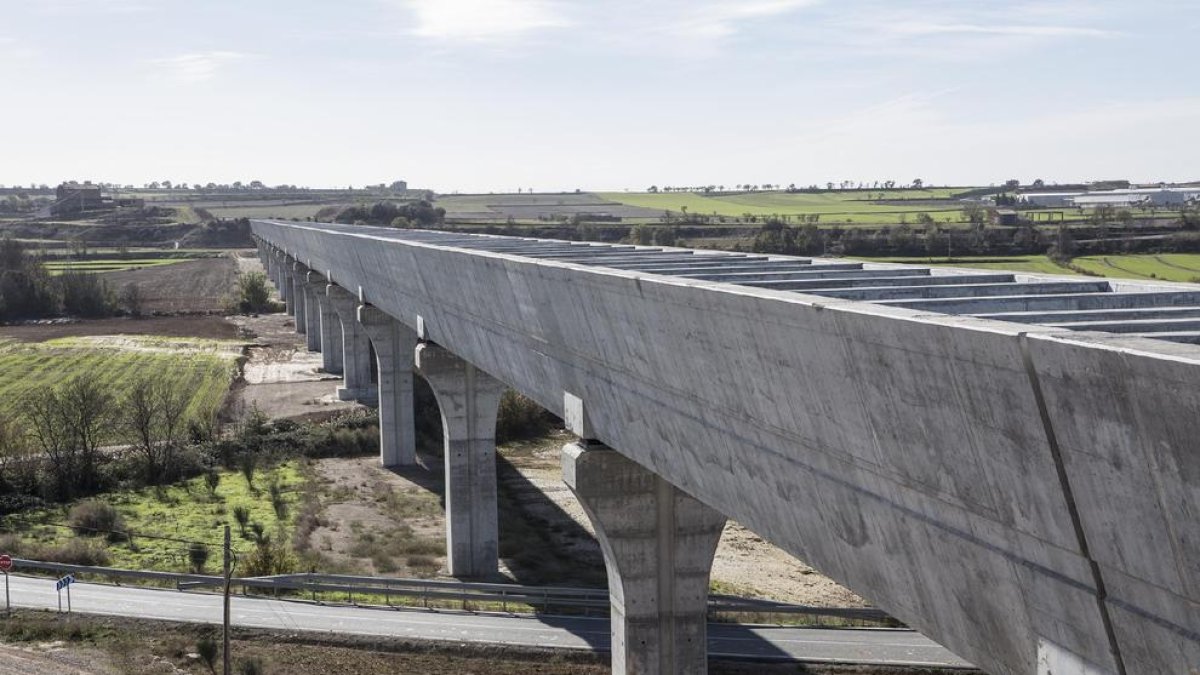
x: 153, y: 414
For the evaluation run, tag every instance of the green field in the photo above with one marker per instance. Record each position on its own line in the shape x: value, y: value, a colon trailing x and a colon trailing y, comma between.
x: 107, y: 265
x: 1180, y: 267
x: 204, y: 368
x: 838, y: 206
x: 185, y: 511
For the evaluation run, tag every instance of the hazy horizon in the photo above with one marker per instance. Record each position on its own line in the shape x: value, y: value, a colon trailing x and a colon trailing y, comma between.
x: 555, y: 95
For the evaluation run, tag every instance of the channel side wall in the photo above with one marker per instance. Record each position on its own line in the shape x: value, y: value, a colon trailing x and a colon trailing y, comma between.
x: 951, y: 470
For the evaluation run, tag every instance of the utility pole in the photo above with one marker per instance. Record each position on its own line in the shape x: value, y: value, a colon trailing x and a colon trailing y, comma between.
x: 228, y: 568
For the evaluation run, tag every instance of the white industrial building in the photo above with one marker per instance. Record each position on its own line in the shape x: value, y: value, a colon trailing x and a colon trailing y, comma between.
x: 1143, y: 197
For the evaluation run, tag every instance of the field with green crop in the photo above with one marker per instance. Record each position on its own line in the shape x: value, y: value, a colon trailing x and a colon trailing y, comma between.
x: 203, y: 368
x: 183, y: 512
x: 839, y: 206
x: 1181, y: 267
x: 57, y: 267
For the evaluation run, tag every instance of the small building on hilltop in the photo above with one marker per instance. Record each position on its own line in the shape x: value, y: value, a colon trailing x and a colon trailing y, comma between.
x: 72, y: 198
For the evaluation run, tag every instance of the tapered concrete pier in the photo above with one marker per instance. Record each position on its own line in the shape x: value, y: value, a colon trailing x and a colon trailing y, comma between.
x: 356, y: 348
x: 395, y: 345
x: 658, y: 544
x: 469, y: 400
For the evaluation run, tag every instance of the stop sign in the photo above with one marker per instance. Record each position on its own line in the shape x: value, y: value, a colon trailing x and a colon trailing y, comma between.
x: 5, y: 563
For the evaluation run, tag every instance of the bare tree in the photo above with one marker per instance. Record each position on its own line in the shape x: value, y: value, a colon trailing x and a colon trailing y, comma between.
x: 51, y: 435
x: 153, y: 414
x: 16, y: 457
x: 88, y: 410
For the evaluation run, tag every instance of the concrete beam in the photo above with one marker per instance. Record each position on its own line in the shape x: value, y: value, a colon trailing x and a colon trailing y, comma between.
x: 1019, y: 302
x: 658, y: 544
x: 1134, y: 314
x: 836, y: 282
x: 771, y: 279
x: 469, y: 400
x: 395, y: 346
x: 356, y: 348
x: 968, y: 290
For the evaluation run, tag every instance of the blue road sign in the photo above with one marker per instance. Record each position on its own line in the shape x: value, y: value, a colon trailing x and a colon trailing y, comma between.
x: 64, y: 582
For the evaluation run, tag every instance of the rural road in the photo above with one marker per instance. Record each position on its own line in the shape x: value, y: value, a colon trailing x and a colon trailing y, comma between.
x: 818, y: 645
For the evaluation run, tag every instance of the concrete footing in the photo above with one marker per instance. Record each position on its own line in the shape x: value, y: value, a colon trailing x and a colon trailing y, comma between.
x: 356, y: 348
x: 469, y: 400
x: 395, y: 347
x: 658, y: 544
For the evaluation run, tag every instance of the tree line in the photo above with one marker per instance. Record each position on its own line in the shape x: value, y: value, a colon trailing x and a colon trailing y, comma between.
x: 29, y: 291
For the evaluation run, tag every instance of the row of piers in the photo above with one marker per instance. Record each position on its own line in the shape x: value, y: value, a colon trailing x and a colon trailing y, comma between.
x: 658, y: 542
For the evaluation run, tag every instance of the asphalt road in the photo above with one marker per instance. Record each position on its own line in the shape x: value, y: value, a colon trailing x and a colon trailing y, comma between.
x: 823, y: 645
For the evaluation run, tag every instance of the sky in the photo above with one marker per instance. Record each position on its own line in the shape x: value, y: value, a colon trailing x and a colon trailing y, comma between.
x: 500, y: 95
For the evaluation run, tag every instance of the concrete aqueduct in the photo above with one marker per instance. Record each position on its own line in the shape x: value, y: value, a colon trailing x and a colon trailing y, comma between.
x: 1009, y: 463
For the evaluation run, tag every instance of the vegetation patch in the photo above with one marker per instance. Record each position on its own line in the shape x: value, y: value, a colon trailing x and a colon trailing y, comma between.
x: 152, y: 528
x: 201, y: 368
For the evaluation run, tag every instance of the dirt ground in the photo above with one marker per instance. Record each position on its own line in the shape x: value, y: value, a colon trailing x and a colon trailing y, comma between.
x: 745, y: 563
x: 191, y: 286
x: 282, y: 378
x: 391, y: 522
x: 201, y: 326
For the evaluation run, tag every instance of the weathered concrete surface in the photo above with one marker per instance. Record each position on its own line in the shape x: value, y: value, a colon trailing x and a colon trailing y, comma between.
x: 356, y: 348
x: 658, y: 545
x: 469, y: 400
x: 300, y: 306
x: 395, y: 345
x: 978, y: 479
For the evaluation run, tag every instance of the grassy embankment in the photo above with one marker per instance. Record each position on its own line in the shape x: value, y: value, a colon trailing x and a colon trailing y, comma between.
x: 184, y: 512
x: 841, y: 206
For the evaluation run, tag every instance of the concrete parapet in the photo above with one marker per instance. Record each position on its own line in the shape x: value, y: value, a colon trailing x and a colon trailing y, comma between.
x: 658, y: 545
x: 395, y: 347
x: 469, y: 400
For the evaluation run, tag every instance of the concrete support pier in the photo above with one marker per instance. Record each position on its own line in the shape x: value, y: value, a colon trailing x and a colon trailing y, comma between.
x: 469, y: 400
x: 658, y: 544
x: 356, y: 348
x: 331, y: 331
x: 283, y: 281
x: 312, y: 313
x: 395, y: 350
x: 299, y: 276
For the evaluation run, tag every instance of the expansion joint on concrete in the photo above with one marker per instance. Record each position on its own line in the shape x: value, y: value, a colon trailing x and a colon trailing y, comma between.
x: 1069, y: 497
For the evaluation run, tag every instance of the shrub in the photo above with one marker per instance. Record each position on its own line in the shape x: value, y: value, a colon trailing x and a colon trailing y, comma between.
x: 74, y: 552
x: 206, y: 647
x: 198, y: 556
x: 94, y: 517
x: 242, y: 515
x: 212, y: 479
x: 250, y: 667
x: 519, y: 416
x: 278, y: 502
x: 253, y: 294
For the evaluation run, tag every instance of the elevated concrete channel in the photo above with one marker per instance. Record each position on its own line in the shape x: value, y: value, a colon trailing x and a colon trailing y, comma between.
x: 1010, y: 463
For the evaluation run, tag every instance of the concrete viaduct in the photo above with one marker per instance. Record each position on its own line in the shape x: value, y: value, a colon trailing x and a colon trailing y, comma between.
x: 1009, y: 463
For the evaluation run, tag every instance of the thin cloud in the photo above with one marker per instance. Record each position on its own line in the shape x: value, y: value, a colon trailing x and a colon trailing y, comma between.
x: 483, y: 20
x: 198, y: 66
x: 722, y: 19
x: 929, y: 28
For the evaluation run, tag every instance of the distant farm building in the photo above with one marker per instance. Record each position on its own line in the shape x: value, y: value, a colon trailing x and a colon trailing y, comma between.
x: 399, y: 186
x: 73, y: 198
